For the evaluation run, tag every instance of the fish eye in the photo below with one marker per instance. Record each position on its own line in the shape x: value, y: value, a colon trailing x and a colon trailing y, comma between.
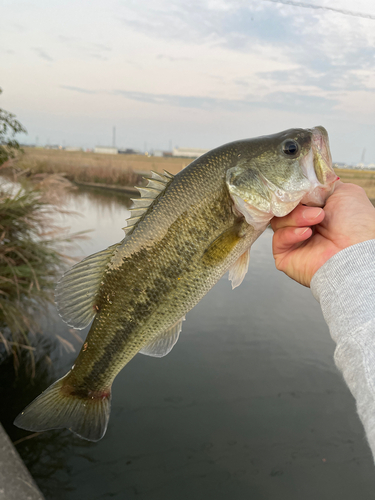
x: 290, y: 147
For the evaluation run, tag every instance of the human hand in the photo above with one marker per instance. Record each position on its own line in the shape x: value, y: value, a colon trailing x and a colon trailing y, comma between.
x: 347, y: 218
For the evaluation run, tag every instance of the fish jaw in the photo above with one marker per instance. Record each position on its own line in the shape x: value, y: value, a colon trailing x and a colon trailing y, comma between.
x: 311, y: 183
x: 317, y: 167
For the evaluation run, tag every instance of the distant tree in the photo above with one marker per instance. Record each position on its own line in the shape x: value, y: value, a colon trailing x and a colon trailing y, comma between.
x: 9, y: 127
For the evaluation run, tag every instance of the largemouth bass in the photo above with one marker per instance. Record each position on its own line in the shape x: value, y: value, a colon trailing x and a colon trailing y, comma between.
x: 184, y: 233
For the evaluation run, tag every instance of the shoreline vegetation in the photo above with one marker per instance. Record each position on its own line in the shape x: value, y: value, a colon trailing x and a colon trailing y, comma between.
x: 32, y: 255
x: 363, y: 178
x: 101, y: 170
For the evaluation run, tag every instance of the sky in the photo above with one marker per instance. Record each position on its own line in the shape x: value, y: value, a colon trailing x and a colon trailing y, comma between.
x: 195, y: 73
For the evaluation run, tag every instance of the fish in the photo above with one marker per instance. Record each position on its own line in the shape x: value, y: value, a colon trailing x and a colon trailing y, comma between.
x: 184, y: 233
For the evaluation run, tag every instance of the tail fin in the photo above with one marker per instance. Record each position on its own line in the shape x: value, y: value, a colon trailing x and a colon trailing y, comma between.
x: 61, y: 406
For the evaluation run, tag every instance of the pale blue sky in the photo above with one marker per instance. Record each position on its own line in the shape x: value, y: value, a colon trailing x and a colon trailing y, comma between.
x: 197, y: 73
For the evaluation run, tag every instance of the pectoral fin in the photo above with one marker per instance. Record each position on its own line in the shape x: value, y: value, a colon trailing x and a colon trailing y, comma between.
x: 222, y: 246
x: 164, y: 342
x: 239, y: 269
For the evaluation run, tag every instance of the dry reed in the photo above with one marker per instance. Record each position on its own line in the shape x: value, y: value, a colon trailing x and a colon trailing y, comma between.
x: 30, y: 260
x: 119, y: 170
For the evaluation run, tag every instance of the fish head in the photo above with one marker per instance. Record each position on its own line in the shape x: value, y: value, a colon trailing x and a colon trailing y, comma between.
x: 273, y: 174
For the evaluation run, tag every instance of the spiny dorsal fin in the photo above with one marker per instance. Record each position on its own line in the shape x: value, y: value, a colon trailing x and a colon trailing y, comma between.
x: 76, y: 292
x: 164, y: 342
x: 156, y: 185
x: 166, y: 174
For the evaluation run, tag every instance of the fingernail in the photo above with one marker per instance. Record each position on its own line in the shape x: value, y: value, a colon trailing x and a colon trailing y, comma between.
x: 312, y: 213
x: 301, y: 230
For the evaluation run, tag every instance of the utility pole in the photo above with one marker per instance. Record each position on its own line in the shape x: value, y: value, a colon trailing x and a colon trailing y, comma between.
x: 114, y: 137
x: 363, y: 155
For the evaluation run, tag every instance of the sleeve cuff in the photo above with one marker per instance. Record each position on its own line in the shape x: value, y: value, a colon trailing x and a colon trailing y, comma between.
x: 345, y: 288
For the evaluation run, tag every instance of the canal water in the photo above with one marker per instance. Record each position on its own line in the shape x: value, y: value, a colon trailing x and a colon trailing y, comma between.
x: 248, y: 405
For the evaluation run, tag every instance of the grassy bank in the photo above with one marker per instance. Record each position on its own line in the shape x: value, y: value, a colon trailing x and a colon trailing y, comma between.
x: 30, y: 258
x: 363, y: 178
x: 120, y: 170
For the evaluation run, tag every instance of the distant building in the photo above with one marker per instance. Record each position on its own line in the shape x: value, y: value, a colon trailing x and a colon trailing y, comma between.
x: 160, y: 153
x: 106, y: 150
x: 357, y: 166
x: 72, y: 148
x: 128, y: 151
x: 339, y: 164
x: 369, y: 166
x: 189, y: 152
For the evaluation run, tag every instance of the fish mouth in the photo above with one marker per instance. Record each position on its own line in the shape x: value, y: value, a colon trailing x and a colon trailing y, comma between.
x: 317, y: 167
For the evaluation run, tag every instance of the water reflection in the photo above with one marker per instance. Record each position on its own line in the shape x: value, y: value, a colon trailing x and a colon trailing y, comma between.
x: 102, y: 212
x: 247, y: 405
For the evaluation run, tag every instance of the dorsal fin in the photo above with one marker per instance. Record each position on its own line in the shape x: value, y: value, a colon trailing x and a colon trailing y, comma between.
x: 155, y: 187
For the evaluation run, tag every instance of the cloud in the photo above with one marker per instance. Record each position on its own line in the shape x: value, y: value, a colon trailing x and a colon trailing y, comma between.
x: 172, y: 59
x: 79, y: 89
x: 100, y: 46
x: 19, y: 27
x: 292, y: 101
x: 244, y: 83
x: 324, y: 7
x: 231, y: 24
x: 41, y: 53
x: 85, y: 49
x: 331, y: 80
x: 329, y: 48
x: 288, y: 101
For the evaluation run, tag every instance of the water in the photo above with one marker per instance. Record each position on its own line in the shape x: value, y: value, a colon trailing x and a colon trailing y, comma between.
x: 248, y: 405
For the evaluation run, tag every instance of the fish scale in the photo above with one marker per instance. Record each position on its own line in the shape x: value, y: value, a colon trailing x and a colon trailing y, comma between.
x: 183, y: 235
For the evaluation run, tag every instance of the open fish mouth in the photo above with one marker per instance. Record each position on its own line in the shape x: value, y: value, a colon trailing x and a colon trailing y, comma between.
x: 317, y: 167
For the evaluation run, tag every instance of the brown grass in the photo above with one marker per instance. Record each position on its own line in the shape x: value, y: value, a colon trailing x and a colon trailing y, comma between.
x: 121, y: 170
x: 363, y: 178
x: 30, y: 258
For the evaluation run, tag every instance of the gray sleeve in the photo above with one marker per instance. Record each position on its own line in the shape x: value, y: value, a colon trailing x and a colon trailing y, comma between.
x: 345, y: 288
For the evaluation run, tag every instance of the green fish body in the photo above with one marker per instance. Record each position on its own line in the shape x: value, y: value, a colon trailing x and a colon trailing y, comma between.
x: 185, y: 233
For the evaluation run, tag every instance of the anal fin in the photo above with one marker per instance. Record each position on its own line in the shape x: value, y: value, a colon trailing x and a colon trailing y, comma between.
x: 164, y: 342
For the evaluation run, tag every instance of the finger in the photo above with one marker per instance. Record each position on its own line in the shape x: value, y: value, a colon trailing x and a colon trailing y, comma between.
x: 286, y: 238
x: 301, y: 216
x: 338, y: 184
